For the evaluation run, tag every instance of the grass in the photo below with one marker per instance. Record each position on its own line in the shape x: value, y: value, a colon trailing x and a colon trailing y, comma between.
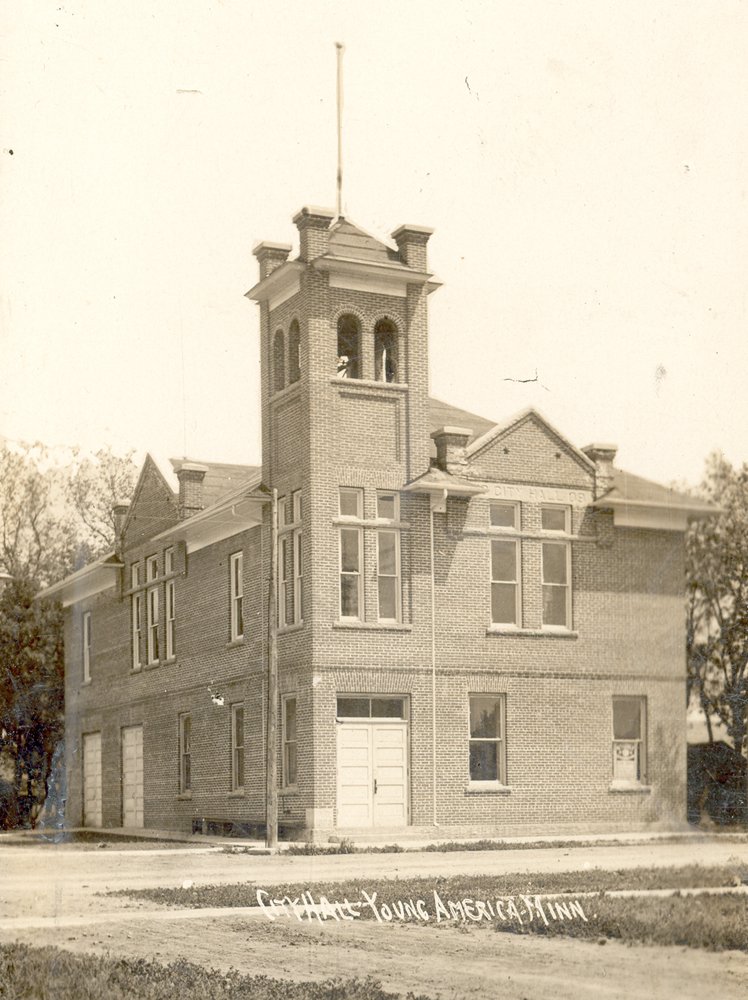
x: 44, y: 973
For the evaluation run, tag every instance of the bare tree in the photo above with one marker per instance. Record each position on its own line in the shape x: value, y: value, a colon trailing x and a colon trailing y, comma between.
x: 94, y: 486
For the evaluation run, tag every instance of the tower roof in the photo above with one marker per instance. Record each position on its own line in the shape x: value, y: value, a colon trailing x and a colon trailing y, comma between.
x: 353, y: 243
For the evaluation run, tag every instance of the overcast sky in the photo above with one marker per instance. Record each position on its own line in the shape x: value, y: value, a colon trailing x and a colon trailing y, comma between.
x: 583, y: 165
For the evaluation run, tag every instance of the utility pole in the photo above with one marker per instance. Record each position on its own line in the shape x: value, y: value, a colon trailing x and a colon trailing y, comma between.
x: 271, y: 792
x: 339, y: 199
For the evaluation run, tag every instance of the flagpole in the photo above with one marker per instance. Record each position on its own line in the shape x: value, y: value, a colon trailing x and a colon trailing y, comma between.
x: 339, y: 200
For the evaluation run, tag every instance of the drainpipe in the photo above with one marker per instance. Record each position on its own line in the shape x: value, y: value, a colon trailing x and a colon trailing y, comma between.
x: 434, y: 506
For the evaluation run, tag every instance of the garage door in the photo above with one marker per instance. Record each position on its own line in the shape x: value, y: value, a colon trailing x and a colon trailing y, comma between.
x: 92, y: 779
x: 372, y: 774
x: 132, y: 776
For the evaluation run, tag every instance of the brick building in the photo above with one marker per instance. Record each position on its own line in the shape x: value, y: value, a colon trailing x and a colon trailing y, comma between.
x: 480, y: 626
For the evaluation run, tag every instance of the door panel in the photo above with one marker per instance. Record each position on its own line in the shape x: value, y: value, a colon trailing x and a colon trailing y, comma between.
x: 390, y: 753
x: 372, y: 774
x: 92, y: 779
x: 354, y: 775
x: 132, y: 776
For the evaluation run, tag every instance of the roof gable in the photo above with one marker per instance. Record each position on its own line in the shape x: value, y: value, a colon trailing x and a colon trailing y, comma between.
x: 153, y: 508
x: 528, y: 449
x: 352, y: 243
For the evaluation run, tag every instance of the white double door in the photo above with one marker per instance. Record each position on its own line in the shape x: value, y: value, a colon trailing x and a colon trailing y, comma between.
x: 132, y: 776
x: 92, y: 779
x: 372, y: 773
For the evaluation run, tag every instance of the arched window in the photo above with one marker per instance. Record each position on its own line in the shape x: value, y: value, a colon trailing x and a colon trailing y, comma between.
x: 294, y: 353
x: 349, y: 347
x: 279, y: 372
x: 385, y: 351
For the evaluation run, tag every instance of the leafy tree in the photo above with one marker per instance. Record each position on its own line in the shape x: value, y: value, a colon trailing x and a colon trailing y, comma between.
x: 95, y: 485
x: 717, y: 571
x: 31, y: 692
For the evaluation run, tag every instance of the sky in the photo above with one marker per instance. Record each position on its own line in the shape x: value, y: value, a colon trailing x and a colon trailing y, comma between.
x: 583, y: 165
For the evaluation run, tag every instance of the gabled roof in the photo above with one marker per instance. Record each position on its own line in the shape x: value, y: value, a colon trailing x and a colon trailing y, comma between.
x: 632, y: 490
x: 352, y: 243
x: 445, y: 415
x: 506, y: 427
x: 221, y: 479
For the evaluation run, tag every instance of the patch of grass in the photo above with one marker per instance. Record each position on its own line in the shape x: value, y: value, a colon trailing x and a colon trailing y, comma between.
x: 344, y: 846
x: 449, y: 846
x: 40, y: 973
x: 717, y: 923
x: 453, y: 886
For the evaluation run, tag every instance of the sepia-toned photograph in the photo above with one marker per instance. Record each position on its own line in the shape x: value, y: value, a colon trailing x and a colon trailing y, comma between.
x: 373, y: 500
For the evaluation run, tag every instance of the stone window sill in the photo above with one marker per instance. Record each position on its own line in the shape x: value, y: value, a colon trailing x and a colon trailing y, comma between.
x: 487, y: 788
x: 289, y: 790
x: 629, y: 788
x: 238, y: 793
x: 368, y: 383
x: 544, y: 633
x: 285, y: 629
x: 235, y: 643
x: 374, y: 626
x: 167, y: 663
x: 184, y: 797
x: 85, y: 684
x: 152, y: 666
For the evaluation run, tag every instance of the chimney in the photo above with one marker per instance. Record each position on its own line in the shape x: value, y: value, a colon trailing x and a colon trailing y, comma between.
x: 603, y: 456
x: 411, y: 244
x: 314, y: 231
x: 119, y: 515
x: 270, y: 256
x: 450, y: 448
x: 190, y: 476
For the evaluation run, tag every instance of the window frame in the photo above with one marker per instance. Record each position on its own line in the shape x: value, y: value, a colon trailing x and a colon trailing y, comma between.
x: 86, y: 643
x: 152, y: 625
x: 566, y: 508
x: 567, y: 626
x: 350, y: 524
x: 185, y: 753
x: 503, y: 528
x: 516, y: 583
x: 286, y: 742
x: 236, y: 596
x: 501, y: 780
x: 293, y: 365
x: 386, y: 334
x: 297, y: 556
x: 352, y: 369
x: 238, y: 748
x: 641, y: 743
x: 279, y: 361
x: 390, y: 526
x: 136, y: 618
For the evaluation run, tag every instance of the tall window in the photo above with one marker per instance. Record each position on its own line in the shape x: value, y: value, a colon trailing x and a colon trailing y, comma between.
x: 629, y: 739
x: 388, y: 557
x: 351, y: 549
x: 289, y: 741
x: 556, y: 589
x: 279, y: 371
x: 86, y: 646
x: 505, y: 589
x: 298, y: 566
x: 385, y: 351
x: 136, y: 611
x: 294, y: 352
x: 152, y: 610
x: 237, y: 748
x: 185, y: 753
x: 487, y: 743
x: 285, y: 602
x: 290, y: 606
x: 171, y: 606
x: 349, y: 347
x: 236, y: 586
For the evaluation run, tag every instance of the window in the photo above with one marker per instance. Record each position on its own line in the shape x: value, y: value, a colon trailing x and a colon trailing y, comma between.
x: 556, y: 590
x: 349, y: 347
x: 151, y: 568
x: 237, y: 595
x: 171, y: 607
x: 298, y: 573
x: 294, y: 353
x: 505, y: 589
x: 237, y: 748
x: 136, y: 610
x: 351, y: 546
x: 279, y: 374
x: 152, y: 625
x: 385, y: 351
x: 290, y: 601
x: 487, y: 744
x: 86, y: 646
x: 357, y: 707
x: 185, y: 754
x: 629, y: 740
x: 285, y: 606
x: 504, y: 515
x: 289, y: 741
x: 555, y: 518
x: 388, y: 558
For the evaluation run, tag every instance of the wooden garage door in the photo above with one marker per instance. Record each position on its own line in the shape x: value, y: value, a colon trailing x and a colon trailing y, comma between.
x: 92, y: 779
x: 132, y: 776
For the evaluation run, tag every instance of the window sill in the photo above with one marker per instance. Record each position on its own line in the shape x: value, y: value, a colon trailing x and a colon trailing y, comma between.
x: 234, y: 643
x: 546, y: 633
x: 373, y: 626
x: 152, y: 666
x: 85, y: 684
x: 368, y: 383
x: 169, y: 661
x: 289, y: 790
x: 629, y: 788
x: 487, y: 788
x: 238, y: 793
x: 137, y: 670
x: 184, y: 797
x: 285, y: 629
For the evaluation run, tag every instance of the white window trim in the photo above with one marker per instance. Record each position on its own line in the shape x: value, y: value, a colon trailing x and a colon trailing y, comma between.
x: 556, y: 540
x: 151, y: 569
x: 505, y: 528
x: 358, y: 491
x: 359, y: 574
x: 236, y: 746
x: 517, y: 623
x: 152, y: 623
x: 86, y: 647
x: 171, y: 618
x: 555, y: 532
x: 289, y: 786
x: 236, y: 586
x: 282, y: 581
x: 641, y: 744
x: 501, y: 740
x: 168, y: 560
x: 136, y: 613
x: 185, y: 752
